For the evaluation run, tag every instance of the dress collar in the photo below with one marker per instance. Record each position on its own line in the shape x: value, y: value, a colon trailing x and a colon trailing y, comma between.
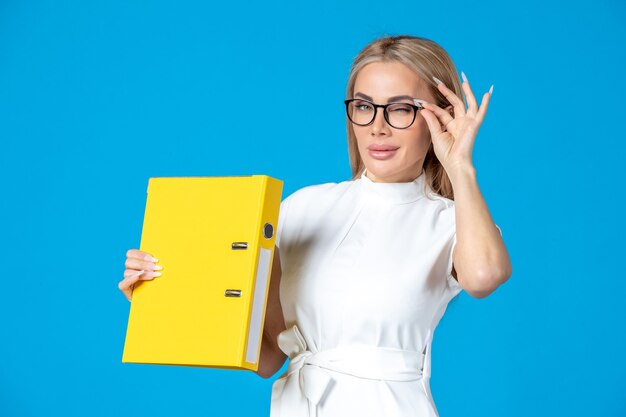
x: 394, y: 192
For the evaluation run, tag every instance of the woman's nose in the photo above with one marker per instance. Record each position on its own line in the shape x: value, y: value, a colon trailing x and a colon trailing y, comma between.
x: 379, y: 125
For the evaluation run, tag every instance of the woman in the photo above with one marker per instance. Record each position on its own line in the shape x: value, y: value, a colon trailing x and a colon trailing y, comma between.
x: 364, y: 269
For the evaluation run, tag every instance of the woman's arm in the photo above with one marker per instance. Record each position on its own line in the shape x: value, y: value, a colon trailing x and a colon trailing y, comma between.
x: 480, y: 257
x: 272, y: 358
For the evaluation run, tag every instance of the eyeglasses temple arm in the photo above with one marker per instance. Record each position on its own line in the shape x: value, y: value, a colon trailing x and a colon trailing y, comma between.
x: 418, y: 102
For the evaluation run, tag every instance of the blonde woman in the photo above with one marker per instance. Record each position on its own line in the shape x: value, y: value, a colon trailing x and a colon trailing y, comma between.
x: 364, y: 269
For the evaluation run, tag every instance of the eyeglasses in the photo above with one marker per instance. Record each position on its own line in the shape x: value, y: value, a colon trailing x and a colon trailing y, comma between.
x: 398, y: 115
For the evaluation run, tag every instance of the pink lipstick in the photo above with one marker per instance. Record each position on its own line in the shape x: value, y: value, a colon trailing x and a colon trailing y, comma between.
x: 382, y: 152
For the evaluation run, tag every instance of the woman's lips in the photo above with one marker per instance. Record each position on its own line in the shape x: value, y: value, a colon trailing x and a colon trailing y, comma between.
x: 382, y: 151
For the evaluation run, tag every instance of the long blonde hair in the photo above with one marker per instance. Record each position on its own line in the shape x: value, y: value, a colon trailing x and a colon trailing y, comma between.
x: 427, y: 59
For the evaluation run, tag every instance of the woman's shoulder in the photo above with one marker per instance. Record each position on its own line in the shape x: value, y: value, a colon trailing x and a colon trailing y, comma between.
x: 305, y: 207
x: 441, y: 208
x: 319, y: 193
x: 438, y: 200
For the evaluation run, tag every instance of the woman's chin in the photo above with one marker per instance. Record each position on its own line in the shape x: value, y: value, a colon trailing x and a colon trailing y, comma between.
x: 381, y: 174
x: 385, y: 171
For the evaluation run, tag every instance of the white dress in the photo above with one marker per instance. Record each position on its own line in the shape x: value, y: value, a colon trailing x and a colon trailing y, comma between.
x: 366, y: 277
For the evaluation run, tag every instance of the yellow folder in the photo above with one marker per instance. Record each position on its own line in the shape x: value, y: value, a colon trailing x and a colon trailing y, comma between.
x: 214, y: 238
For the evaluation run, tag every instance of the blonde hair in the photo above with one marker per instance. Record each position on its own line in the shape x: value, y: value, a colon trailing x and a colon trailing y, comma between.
x: 427, y: 59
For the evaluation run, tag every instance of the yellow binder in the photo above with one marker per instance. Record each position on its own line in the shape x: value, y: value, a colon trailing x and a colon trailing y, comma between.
x: 214, y: 238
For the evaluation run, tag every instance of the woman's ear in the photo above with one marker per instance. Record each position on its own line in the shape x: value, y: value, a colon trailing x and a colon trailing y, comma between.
x: 450, y: 110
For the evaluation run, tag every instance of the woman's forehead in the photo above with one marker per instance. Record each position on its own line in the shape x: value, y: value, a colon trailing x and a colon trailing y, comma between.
x: 383, y: 80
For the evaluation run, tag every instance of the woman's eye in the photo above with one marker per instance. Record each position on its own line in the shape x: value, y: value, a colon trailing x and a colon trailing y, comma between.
x: 362, y: 106
x: 404, y: 109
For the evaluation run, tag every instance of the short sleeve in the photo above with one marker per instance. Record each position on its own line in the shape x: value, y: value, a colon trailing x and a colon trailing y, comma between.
x: 282, y: 217
x: 453, y: 284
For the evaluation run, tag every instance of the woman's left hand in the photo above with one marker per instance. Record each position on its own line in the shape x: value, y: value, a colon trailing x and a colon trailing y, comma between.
x: 453, y: 137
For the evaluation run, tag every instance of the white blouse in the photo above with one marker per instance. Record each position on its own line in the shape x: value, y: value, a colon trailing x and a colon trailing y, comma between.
x: 366, y: 277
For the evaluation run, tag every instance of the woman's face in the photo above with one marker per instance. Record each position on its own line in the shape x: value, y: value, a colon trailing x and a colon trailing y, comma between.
x: 378, y: 82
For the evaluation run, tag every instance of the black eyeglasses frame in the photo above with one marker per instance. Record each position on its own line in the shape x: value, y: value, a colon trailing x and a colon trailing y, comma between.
x: 416, y: 107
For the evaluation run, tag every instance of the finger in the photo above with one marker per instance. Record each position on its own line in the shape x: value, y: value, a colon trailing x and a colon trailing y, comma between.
x: 147, y: 275
x: 134, y: 263
x: 138, y: 254
x: 128, y: 293
x: 472, y: 107
x: 484, y: 104
x: 443, y: 116
x: 433, y: 123
x: 457, y: 103
x: 126, y: 285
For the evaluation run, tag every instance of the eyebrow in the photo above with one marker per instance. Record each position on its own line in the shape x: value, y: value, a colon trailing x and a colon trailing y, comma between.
x: 391, y: 99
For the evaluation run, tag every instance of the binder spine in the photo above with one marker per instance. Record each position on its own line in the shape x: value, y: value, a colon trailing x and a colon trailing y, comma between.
x: 255, y: 328
x: 264, y: 241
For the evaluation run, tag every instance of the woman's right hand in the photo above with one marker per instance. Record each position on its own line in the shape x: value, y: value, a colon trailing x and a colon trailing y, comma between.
x: 139, y: 266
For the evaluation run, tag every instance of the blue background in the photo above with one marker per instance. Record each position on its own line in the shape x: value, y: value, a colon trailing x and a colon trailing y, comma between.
x: 96, y: 97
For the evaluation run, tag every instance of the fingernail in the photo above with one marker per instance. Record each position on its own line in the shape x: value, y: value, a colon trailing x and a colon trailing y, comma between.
x: 152, y: 259
x: 491, y: 89
x: 157, y: 274
x: 157, y: 268
x: 463, y: 76
x: 437, y: 80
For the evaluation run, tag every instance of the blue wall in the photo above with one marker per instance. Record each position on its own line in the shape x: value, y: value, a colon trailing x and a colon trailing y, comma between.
x: 96, y: 97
